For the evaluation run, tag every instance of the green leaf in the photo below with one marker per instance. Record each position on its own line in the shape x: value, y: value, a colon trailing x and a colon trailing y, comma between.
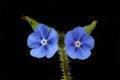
x: 33, y: 23
x: 89, y: 28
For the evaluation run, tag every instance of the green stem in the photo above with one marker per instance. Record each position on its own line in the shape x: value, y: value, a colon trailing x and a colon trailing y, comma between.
x: 64, y: 64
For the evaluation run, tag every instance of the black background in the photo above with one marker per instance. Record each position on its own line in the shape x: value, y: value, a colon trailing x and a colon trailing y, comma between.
x: 16, y: 63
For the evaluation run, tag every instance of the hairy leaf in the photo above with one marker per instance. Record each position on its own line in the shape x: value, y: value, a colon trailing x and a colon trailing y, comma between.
x: 89, y: 28
x: 33, y: 23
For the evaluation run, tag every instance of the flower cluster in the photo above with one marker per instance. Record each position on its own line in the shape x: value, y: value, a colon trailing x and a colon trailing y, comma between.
x: 44, y: 42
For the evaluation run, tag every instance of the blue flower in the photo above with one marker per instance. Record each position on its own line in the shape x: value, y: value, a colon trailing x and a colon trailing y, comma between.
x: 78, y: 43
x: 43, y: 42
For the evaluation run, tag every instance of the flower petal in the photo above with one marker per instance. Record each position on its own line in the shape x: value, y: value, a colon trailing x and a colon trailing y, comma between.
x: 88, y: 41
x: 83, y: 53
x: 33, y: 40
x: 78, y: 33
x: 38, y: 52
x: 69, y: 40
x: 51, y: 50
x: 71, y: 51
x: 43, y: 30
x: 53, y: 37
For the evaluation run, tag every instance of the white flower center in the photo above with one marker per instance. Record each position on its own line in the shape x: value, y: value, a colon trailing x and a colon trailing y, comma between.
x: 43, y: 41
x: 77, y: 43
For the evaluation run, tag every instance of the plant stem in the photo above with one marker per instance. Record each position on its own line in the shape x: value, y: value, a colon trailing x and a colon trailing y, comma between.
x: 64, y: 64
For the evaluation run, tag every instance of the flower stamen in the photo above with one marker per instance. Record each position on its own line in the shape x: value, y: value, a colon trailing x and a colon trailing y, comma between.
x: 43, y: 41
x: 77, y: 43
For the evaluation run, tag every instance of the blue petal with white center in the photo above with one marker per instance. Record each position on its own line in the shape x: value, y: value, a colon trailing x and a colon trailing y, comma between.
x: 71, y: 51
x: 43, y: 42
x: 33, y: 40
x: 83, y: 53
x: 78, y: 32
x: 43, y: 30
x: 38, y: 52
x: 69, y: 39
x: 53, y: 37
x: 51, y: 50
x: 88, y: 41
x: 78, y: 43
